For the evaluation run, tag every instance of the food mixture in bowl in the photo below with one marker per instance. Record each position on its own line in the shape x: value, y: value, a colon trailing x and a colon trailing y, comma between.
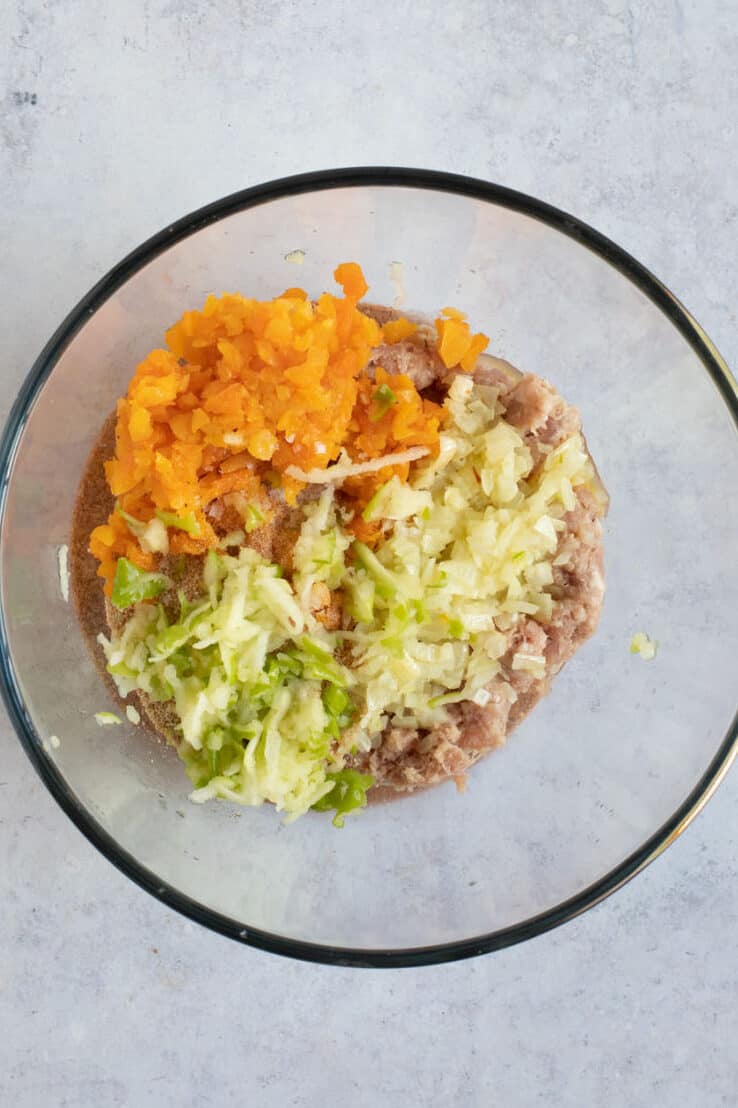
x: 327, y: 551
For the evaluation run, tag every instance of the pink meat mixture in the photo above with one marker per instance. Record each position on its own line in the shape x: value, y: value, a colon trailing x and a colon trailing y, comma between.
x: 405, y: 758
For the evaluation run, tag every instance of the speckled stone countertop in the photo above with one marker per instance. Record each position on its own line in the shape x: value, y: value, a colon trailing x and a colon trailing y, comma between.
x: 117, y: 119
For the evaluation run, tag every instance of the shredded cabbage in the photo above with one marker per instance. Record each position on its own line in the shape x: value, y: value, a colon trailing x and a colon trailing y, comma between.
x: 319, y: 551
x: 261, y: 698
x: 344, y: 467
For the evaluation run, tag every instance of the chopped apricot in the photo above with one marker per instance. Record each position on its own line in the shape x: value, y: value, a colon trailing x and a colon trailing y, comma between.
x: 456, y: 344
x: 248, y: 388
x: 398, y: 329
x: 351, y: 279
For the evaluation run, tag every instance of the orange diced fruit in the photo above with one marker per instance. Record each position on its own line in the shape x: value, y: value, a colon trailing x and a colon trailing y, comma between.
x: 479, y: 343
x: 453, y: 341
x: 139, y: 425
x: 104, y: 534
x: 398, y: 329
x: 261, y: 444
x: 351, y: 278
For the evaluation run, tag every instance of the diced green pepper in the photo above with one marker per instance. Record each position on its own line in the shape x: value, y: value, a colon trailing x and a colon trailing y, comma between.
x: 336, y: 700
x: 186, y: 523
x: 348, y: 793
x: 132, y: 584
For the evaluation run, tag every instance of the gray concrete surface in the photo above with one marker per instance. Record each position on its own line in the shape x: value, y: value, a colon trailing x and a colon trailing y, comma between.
x: 118, y: 118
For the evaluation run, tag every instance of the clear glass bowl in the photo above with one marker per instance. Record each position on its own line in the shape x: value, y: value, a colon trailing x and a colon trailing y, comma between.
x: 606, y: 771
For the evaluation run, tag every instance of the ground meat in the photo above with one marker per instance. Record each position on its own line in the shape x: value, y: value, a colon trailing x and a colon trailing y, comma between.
x: 539, y: 413
x: 579, y: 583
x: 274, y: 540
x: 404, y: 758
x: 406, y: 357
x: 408, y: 759
x: 490, y: 372
x: 416, y: 357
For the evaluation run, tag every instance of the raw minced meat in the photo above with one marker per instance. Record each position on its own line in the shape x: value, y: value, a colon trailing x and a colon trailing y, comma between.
x: 408, y: 758
x: 404, y: 758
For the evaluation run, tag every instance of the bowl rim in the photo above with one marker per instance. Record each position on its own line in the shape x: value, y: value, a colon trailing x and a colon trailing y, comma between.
x: 352, y: 177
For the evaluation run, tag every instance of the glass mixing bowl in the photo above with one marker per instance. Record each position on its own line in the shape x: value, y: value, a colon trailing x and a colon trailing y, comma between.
x: 608, y: 769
